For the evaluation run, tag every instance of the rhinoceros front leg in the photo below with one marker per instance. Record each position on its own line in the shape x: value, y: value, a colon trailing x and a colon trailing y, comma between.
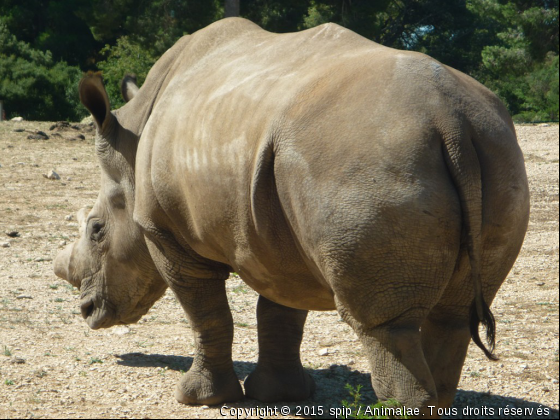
x: 279, y: 375
x: 211, y: 378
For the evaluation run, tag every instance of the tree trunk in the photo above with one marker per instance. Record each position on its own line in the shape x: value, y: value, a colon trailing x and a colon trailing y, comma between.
x: 231, y: 8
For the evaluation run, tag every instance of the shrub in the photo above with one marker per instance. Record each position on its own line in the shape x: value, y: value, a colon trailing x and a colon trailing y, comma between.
x: 125, y: 57
x: 33, y: 86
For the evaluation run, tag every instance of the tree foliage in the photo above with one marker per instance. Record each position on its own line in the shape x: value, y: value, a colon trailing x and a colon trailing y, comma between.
x: 509, y: 45
x: 33, y: 85
x: 521, y: 65
x: 122, y: 58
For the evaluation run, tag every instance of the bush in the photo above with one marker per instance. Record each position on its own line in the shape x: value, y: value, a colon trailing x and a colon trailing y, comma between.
x: 125, y: 57
x: 33, y: 86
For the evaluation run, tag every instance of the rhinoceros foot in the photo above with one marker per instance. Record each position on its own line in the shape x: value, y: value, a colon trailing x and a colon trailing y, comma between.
x: 204, y: 387
x: 270, y: 384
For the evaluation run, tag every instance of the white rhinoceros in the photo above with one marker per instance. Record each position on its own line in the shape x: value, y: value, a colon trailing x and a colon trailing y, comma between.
x: 330, y: 172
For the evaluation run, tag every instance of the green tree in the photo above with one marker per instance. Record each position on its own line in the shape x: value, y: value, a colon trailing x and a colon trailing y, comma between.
x: 58, y: 26
x: 32, y: 85
x: 125, y: 57
x: 521, y: 65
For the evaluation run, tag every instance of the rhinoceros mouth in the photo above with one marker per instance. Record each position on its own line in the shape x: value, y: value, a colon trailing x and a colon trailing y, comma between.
x: 96, y: 317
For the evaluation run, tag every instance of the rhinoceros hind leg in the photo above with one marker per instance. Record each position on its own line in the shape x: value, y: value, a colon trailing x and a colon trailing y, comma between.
x: 445, y: 340
x: 279, y: 375
x: 398, y: 368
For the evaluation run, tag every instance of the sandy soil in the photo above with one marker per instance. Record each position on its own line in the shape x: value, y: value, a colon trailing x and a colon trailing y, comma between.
x: 52, y: 365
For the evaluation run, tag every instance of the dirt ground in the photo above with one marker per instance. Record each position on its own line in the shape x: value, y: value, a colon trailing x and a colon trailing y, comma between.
x: 53, y: 366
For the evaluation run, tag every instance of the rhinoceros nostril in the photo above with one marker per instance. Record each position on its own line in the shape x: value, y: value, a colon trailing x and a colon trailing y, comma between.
x: 87, y: 308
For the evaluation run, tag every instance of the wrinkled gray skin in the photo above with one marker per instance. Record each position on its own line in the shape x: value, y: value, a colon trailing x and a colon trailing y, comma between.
x: 330, y: 173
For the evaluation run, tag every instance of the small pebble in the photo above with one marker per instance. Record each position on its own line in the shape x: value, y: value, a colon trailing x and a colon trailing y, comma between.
x: 5, y: 244
x: 323, y: 352
x: 52, y: 175
x: 24, y: 297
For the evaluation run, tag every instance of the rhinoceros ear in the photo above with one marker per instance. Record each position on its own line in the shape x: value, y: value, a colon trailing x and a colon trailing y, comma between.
x: 129, y: 88
x: 94, y: 97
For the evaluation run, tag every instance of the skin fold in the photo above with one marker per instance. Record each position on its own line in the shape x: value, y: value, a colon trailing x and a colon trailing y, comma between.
x: 330, y: 173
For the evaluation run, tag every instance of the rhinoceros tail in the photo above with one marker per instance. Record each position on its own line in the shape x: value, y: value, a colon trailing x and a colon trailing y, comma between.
x: 490, y: 325
x: 464, y: 166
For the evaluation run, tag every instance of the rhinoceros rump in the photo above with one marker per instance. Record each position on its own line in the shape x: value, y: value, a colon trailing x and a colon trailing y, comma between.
x: 328, y: 171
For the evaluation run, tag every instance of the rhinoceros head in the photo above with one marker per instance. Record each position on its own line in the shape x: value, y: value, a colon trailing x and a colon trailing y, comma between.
x: 110, y: 262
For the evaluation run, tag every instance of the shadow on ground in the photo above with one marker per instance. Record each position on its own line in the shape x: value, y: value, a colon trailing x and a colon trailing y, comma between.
x: 332, y: 390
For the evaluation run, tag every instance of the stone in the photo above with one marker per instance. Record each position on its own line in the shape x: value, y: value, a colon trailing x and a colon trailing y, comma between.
x: 121, y: 330
x: 52, y: 175
x: 38, y: 135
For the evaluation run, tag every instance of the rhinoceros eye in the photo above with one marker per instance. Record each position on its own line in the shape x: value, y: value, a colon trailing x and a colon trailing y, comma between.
x: 96, y: 230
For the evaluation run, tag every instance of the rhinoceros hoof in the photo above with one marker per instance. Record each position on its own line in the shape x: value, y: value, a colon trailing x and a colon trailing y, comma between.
x: 211, y: 388
x: 269, y: 384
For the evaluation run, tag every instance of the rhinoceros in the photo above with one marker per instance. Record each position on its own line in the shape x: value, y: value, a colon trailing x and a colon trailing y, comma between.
x: 330, y: 173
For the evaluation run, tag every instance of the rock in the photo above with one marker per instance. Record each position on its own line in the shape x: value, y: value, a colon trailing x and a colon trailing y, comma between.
x: 121, y: 330
x: 5, y: 244
x: 17, y: 119
x: 62, y: 243
x: 18, y: 361
x: 24, y: 297
x: 60, y: 125
x: 52, y: 175
x: 38, y: 135
x: 323, y: 352
x: 69, y: 217
x: 41, y: 259
x: 13, y: 233
x: 87, y: 120
x: 19, y: 130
